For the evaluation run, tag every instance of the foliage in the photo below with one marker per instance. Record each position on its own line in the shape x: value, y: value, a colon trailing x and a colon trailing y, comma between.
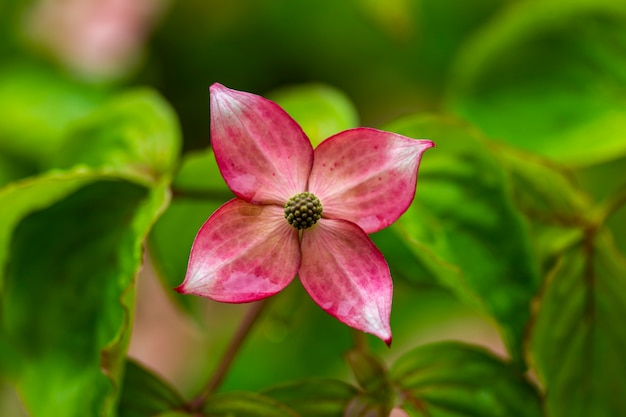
x: 517, y: 226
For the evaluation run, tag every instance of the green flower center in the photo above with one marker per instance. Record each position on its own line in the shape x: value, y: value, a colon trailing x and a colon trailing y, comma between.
x: 303, y: 210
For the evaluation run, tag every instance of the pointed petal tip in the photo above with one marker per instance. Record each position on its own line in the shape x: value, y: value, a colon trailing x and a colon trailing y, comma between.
x: 180, y: 289
x: 428, y: 143
x: 388, y: 341
x: 385, y: 335
x: 217, y: 89
x: 425, y: 144
x: 217, y: 86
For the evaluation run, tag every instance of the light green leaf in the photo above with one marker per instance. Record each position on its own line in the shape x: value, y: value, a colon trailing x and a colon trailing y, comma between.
x: 453, y: 379
x: 37, y: 105
x: 464, y: 228
x: 199, y: 174
x: 315, y: 398
x: 146, y: 395
x: 321, y: 111
x: 578, y: 340
x: 135, y: 133
x: 548, y: 76
x: 244, y: 404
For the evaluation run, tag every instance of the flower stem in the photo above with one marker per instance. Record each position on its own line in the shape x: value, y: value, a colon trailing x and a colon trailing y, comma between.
x: 359, y: 340
x: 248, y: 321
x: 612, y: 204
x: 201, y: 194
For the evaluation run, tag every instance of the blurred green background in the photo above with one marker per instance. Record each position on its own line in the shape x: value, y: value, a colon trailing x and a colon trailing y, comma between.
x: 545, y: 77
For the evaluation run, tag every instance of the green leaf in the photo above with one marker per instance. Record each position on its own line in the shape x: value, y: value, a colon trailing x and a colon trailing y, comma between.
x: 367, y: 406
x: 135, y: 133
x: 453, y: 379
x: 368, y: 370
x: 19, y: 199
x: 75, y: 243
x: 321, y: 111
x: 547, y: 76
x: 37, y: 105
x: 606, y: 183
x: 543, y: 189
x: 244, y: 404
x: 403, y: 263
x: 315, y: 398
x: 556, y: 209
x: 578, y: 340
x: 145, y: 395
x: 69, y: 286
x: 464, y: 228
x: 371, y: 374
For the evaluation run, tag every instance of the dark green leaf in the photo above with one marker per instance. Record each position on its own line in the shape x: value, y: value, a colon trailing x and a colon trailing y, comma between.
x: 578, y: 340
x: 146, y: 395
x: 69, y: 290
x: 245, y: 404
x: 368, y: 370
x: 12, y: 169
x: 403, y: 263
x: 315, y: 398
x: 464, y: 228
x: 367, y: 406
x: 453, y: 379
x: 320, y: 110
x: 547, y: 76
x: 544, y: 190
x: 557, y: 211
x: 607, y: 182
x: 19, y: 199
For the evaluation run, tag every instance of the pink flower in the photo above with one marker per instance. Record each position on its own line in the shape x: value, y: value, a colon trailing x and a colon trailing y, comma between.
x: 302, y: 211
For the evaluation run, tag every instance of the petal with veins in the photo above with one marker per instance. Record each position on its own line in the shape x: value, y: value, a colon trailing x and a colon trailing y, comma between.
x: 347, y: 276
x: 263, y: 154
x: 244, y: 252
x: 366, y: 176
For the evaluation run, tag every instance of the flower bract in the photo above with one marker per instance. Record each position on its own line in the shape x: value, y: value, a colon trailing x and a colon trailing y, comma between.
x: 300, y: 211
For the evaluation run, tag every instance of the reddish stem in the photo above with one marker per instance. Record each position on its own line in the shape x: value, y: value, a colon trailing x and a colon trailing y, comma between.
x: 248, y: 321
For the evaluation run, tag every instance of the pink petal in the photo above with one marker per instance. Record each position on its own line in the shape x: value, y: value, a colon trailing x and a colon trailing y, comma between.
x: 263, y: 154
x: 366, y: 176
x: 242, y: 253
x: 347, y: 276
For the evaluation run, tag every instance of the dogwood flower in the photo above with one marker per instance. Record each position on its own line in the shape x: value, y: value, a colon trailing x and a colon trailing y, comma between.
x: 300, y: 211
